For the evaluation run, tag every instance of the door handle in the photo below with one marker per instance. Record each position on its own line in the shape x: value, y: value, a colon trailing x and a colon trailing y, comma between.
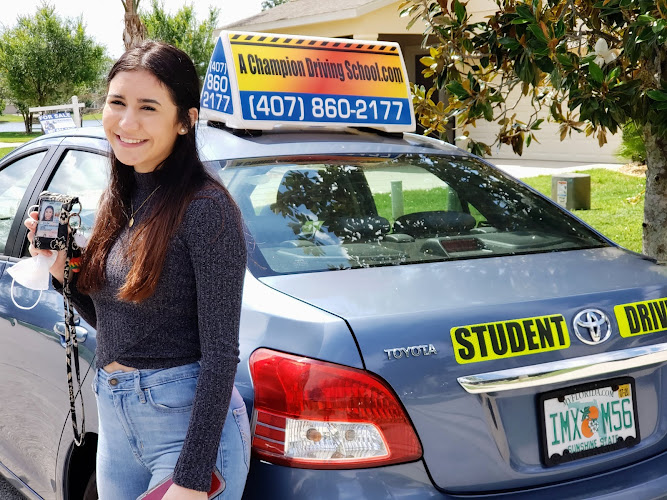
x: 81, y: 332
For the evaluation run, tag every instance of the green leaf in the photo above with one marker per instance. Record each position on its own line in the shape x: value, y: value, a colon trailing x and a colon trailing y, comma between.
x: 488, y: 111
x: 645, y: 35
x: 460, y: 11
x: 457, y: 89
x: 537, y: 31
x: 536, y: 125
x: 565, y: 60
x: 525, y: 70
x: 644, y: 19
x: 657, y: 95
x: 659, y: 26
x: 613, y: 75
x: 525, y: 12
x: 559, y: 30
x: 545, y: 64
x: 588, y: 58
x: 595, y: 72
x: 509, y: 42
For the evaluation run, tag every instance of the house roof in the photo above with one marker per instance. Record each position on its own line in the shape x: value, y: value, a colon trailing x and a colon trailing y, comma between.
x: 292, y: 10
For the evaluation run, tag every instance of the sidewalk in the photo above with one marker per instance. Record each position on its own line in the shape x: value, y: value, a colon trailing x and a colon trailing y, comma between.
x: 532, y: 168
x: 11, y: 144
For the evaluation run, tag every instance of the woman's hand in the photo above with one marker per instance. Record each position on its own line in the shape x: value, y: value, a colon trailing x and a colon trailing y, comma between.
x: 176, y: 492
x: 57, y: 270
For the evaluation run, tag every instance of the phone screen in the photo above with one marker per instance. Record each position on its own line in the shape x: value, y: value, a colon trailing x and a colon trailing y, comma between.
x: 49, y: 219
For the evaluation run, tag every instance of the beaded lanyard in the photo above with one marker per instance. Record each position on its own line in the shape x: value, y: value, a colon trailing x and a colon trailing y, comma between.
x: 66, y: 241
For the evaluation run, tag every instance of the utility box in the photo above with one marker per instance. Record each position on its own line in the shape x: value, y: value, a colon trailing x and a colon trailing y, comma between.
x: 572, y: 191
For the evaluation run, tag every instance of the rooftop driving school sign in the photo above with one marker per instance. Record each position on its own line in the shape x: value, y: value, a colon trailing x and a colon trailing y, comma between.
x: 258, y: 81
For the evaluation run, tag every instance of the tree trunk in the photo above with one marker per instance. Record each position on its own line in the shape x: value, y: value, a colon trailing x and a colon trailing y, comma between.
x: 135, y: 31
x: 27, y: 121
x: 655, y: 204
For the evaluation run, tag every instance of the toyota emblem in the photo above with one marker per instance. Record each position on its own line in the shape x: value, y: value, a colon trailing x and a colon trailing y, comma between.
x: 592, y: 326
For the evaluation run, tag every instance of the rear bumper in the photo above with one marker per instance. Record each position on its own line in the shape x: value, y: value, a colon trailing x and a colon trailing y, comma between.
x: 646, y: 480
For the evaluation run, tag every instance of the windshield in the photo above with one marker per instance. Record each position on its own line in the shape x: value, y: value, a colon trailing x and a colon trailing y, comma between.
x: 335, y: 213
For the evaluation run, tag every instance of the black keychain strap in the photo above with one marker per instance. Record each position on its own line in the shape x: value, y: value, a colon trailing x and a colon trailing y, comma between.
x: 66, y: 241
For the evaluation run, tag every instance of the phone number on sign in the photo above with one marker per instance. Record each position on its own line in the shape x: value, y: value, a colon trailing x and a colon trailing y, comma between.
x: 304, y: 107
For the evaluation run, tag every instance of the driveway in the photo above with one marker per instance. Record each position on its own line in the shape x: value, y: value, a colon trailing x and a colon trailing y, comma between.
x: 531, y: 168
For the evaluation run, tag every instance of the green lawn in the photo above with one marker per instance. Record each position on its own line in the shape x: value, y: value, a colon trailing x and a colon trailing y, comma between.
x: 610, y: 213
x: 414, y: 200
x: 4, y: 151
x: 10, y: 118
x: 18, y: 136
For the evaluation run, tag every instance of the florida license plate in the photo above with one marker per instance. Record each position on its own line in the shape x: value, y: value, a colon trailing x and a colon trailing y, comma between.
x: 588, y: 420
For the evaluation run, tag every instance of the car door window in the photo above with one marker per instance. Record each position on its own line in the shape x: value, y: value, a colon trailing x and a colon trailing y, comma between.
x: 83, y: 174
x: 14, y: 180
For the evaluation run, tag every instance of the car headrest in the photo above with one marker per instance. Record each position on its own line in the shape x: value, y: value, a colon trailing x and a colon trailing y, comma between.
x: 436, y: 223
x: 372, y: 227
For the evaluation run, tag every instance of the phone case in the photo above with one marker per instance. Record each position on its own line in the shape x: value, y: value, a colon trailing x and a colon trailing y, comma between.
x: 52, y: 232
x: 157, y: 492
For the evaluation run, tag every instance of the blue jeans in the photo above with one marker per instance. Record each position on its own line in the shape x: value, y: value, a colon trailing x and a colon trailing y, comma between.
x: 143, y: 420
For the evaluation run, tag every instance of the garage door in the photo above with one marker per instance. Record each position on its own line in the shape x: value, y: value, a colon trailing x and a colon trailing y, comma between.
x: 576, y: 148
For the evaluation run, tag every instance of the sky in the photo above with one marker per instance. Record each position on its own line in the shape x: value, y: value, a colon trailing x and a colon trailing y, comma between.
x: 104, y: 18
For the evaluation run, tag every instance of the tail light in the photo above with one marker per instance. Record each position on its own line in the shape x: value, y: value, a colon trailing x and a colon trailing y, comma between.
x: 318, y: 415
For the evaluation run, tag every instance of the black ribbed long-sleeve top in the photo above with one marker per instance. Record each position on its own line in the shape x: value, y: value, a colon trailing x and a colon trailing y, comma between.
x: 192, y: 316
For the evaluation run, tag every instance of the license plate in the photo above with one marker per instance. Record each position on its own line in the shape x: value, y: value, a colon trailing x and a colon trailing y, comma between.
x: 588, y: 420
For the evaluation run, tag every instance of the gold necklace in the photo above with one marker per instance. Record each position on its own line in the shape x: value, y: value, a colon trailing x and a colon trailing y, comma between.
x: 134, y: 212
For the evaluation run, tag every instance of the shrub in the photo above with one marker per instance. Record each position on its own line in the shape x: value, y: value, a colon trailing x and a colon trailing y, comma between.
x: 632, y: 144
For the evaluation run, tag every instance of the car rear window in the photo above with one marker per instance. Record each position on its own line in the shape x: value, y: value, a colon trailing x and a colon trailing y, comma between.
x: 336, y: 213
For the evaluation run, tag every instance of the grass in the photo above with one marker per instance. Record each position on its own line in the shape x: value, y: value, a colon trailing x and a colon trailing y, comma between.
x: 10, y: 118
x: 17, y: 136
x: 610, y: 213
x: 413, y: 201
x: 4, y: 151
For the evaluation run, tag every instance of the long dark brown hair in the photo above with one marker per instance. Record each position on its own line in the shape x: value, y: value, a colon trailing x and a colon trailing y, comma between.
x: 180, y: 176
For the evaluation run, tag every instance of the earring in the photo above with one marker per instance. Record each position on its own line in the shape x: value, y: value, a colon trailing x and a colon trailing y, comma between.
x: 183, y: 130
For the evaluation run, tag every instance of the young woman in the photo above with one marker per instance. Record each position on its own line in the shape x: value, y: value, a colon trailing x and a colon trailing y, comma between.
x: 48, y: 213
x: 161, y: 280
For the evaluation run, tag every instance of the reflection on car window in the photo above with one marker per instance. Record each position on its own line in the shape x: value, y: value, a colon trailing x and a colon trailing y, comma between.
x: 350, y: 212
x: 14, y: 180
x: 83, y: 174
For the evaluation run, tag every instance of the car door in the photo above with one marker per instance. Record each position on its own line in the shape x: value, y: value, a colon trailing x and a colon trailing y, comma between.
x: 34, y: 393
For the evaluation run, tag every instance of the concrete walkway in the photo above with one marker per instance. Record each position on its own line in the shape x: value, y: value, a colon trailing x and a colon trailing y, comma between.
x: 11, y: 144
x: 532, y: 168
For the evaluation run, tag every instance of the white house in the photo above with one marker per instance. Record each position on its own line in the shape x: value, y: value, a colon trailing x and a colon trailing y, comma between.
x: 380, y: 20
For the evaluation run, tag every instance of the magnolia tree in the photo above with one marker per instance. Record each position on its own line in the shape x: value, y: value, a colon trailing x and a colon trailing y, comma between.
x: 590, y: 66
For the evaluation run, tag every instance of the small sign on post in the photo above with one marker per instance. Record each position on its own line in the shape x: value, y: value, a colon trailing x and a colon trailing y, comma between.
x: 55, y: 122
x: 64, y: 109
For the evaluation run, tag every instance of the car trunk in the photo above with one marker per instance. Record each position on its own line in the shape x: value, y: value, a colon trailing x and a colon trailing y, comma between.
x: 407, y: 320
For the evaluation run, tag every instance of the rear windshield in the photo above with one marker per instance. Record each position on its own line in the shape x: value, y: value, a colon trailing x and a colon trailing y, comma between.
x: 336, y: 213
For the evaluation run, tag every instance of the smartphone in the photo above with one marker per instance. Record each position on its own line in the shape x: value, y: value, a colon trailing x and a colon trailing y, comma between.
x: 48, y: 222
x: 159, y: 490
